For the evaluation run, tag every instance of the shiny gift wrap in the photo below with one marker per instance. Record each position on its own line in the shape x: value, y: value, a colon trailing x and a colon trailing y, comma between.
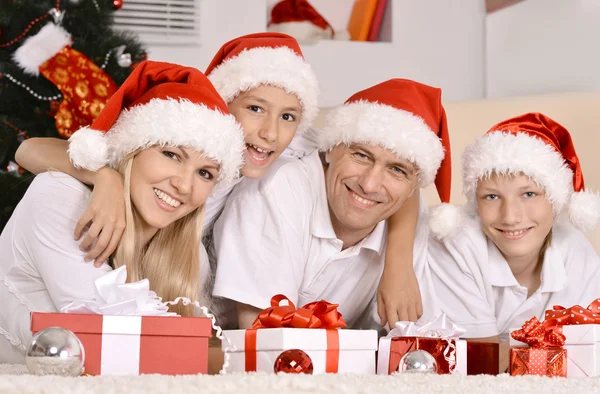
x: 439, y: 337
x: 544, y: 356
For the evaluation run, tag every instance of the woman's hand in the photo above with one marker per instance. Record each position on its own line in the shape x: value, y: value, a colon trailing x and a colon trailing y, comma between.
x: 103, y: 222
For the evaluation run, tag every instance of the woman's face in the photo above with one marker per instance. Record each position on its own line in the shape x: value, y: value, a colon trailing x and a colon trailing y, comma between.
x: 515, y: 214
x: 269, y: 117
x: 168, y: 183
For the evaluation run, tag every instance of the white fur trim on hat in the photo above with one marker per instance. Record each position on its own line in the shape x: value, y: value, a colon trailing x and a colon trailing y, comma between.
x: 584, y: 210
x: 280, y: 67
x: 506, y: 153
x: 165, y: 122
x: 41, y: 47
x: 303, y: 31
x: 88, y: 149
x: 445, y: 219
x: 404, y: 133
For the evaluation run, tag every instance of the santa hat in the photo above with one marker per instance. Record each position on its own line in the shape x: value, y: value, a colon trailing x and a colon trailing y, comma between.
x: 300, y: 19
x: 161, y: 104
x: 259, y: 59
x: 403, y: 116
x: 536, y: 146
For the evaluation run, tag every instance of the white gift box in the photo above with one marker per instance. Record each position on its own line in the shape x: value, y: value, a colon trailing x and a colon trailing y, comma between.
x: 583, y: 349
x: 356, y: 352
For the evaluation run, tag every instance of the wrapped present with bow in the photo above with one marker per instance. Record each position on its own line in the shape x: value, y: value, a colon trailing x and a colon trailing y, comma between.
x: 128, y: 330
x: 309, y: 339
x: 544, y: 355
x: 581, y: 327
x: 439, y: 337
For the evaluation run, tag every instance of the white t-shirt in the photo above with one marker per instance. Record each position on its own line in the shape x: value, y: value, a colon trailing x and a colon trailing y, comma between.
x: 275, y: 236
x: 478, y: 291
x: 41, y: 266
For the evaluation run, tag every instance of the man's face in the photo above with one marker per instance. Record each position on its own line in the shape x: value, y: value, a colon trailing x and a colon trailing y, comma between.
x: 365, y: 185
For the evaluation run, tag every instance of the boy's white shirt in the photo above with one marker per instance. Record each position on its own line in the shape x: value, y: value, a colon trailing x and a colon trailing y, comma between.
x: 477, y: 290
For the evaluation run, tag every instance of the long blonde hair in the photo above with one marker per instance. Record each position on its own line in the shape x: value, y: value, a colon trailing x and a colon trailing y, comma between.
x: 171, y: 260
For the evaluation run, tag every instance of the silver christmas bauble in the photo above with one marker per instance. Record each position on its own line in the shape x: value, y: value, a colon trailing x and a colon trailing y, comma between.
x: 418, y: 361
x: 55, y: 351
x: 124, y: 60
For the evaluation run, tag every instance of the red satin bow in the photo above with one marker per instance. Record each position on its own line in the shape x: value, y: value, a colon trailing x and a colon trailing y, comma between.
x: 575, y: 314
x: 538, y: 334
x: 319, y: 314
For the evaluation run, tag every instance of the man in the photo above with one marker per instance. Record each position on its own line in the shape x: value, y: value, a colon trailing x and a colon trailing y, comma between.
x: 315, y: 228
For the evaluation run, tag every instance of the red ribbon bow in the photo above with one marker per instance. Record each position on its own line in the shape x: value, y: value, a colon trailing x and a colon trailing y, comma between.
x: 574, y: 315
x: 319, y: 314
x: 538, y: 334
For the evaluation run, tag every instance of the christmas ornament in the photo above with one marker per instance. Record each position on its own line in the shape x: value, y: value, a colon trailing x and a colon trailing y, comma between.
x: 57, y: 15
x: 293, y: 361
x: 417, y: 361
x: 117, y: 4
x: 55, y: 351
x: 75, y: 2
x: 123, y: 59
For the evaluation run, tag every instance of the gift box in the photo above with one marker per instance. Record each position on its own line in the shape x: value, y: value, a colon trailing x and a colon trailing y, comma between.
x: 330, y: 350
x: 313, y: 328
x: 439, y: 337
x: 581, y: 327
x: 471, y: 357
x: 134, y: 345
x: 544, y: 356
x: 543, y: 361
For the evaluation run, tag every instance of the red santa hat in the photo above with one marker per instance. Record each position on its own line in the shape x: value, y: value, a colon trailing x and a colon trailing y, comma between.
x: 301, y: 20
x: 161, y: 104
x: 403, y: 116
x: 534, y: 145
x: 259, y: 59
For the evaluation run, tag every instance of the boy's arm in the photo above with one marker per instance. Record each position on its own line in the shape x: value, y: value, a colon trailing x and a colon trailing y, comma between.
x: 398, y: 295
x: 104, y: 219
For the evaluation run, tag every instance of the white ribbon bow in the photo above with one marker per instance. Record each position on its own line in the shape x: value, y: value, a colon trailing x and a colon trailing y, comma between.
x: 112, y: 296
x: 441, y: 327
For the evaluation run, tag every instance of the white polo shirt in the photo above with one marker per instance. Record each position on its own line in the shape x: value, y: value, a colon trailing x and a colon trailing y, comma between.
x: 275, y: 236
x: 478, y: 291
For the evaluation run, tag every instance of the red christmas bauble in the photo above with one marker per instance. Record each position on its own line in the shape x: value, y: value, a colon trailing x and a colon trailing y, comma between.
x: 117, y: 4
x: 293, y: 361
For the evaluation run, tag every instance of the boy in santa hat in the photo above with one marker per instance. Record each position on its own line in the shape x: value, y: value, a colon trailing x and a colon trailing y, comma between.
x: 508, y: 255
x: 316, y: 228
x: 273, y: 93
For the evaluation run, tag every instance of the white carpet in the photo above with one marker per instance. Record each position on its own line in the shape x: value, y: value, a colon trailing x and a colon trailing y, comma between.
x: 14, y: 380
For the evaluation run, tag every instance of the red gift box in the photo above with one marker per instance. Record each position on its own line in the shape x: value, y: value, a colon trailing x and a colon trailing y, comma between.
x: 482, y: 357
x: 133, y: 345
x: 544, y: 356
x: 543, y: 361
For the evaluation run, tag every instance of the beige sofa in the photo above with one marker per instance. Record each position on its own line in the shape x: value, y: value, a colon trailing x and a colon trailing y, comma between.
x: 578, y: 112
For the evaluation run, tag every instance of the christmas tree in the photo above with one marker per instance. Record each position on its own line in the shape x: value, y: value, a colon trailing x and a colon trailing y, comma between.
x: 70, y: 85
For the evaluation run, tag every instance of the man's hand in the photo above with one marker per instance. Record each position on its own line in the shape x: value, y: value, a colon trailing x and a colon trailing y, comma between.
x: 398, y: 296
x: 104, y: 218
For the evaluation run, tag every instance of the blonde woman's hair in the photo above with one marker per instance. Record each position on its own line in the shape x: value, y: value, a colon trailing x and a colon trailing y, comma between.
x: 171, y: 260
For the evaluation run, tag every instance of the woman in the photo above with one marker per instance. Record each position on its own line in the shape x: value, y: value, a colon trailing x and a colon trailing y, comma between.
x: 512, y: 258
x: 273, y: 93
x: 168, y: 175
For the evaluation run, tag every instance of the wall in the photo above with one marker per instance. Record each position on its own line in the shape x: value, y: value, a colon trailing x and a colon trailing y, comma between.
x: 543, y: 46
x: 436, y: 42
